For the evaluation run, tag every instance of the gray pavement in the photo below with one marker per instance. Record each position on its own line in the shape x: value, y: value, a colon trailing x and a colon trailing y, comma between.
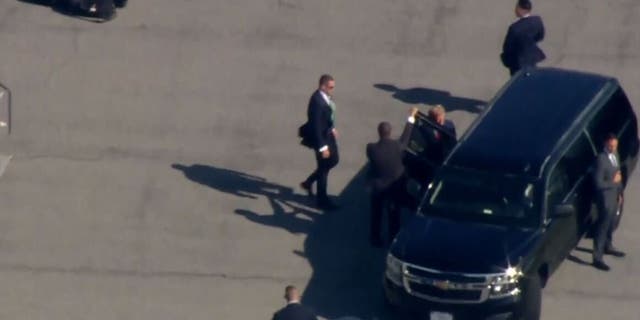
x: 155, y: 164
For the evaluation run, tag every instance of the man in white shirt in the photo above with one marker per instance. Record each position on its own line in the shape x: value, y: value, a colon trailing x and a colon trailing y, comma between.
x: 322, y: 137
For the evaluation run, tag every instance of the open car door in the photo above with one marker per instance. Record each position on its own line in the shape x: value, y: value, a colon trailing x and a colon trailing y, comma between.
x: 427, y: 147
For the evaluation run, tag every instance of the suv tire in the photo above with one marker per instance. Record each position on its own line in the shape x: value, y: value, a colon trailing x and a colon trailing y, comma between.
x: 531, y: 299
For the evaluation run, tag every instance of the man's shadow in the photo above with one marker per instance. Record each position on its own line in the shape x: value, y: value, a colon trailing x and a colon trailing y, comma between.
x: 575, y: 259
x: 347, y: 272
x: 432, y: 97
x: 286, y: 204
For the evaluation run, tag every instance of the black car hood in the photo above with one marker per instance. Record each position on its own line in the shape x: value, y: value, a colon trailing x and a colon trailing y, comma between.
x: 455, y: 246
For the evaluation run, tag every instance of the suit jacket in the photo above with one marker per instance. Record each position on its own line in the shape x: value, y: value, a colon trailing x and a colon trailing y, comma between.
x: 520, y: 47
x: 320, y: 121
x: 450, y: 128
x: 385, y: 160
x: 294, y: 311
x: 607, y: 191
x: 438, y: 147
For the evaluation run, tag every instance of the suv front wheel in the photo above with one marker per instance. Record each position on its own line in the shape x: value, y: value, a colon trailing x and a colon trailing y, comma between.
x: 531, y: 299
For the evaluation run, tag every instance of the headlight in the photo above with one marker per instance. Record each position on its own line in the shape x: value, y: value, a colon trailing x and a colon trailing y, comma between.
x: 506, y: 284
x: 394, y: 270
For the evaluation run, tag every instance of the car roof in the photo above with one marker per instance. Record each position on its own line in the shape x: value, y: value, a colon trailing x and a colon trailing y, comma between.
x: 526, y: 120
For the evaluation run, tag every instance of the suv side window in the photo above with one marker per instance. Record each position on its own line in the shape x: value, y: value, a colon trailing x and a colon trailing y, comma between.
x: 617, y: 117
x: 578, y: 158
x: 610, y: 119
x: 573, y: 166
x: 558, y: 185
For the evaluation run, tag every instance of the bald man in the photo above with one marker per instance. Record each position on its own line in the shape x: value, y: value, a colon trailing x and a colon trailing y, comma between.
x: 388, y: 180
x: 294, y: 310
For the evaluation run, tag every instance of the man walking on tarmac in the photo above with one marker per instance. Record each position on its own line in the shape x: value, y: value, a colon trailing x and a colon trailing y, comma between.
x: 520, y: 49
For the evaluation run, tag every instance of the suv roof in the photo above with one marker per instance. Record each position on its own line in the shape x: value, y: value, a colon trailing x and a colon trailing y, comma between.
x: 506, y: 137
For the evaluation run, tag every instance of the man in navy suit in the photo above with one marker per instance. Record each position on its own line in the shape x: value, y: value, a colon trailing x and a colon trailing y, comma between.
x: 294, y: 309
x: 322, y: 137
x: 608, y: 183
x: 520, y: 49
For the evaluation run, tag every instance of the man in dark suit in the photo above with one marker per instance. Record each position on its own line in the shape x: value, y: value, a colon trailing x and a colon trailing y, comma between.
x: 388, y: 180
x: 294, y: 310
x: 608, y: 183
x: 322, y: 137
x: 520, y: 48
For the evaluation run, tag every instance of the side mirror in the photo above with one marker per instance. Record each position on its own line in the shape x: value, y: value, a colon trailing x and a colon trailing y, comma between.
x: 563, y: 210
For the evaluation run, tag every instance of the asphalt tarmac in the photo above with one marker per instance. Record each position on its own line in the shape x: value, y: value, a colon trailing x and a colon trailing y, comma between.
x: 152, y: 166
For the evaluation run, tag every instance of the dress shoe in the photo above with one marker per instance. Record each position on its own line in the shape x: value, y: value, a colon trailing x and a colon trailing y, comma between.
x: 306, y: 187
x: 600, y: 265
x: 615, y: 252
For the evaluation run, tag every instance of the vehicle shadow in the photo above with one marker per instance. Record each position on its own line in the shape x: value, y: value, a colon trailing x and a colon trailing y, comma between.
x: 44, y: 3
x: 347, y: 272
x: 66, y: 10
x: 432, y: 97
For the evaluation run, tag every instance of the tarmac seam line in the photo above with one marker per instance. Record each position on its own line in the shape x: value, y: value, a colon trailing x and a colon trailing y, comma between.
x: 89, y: 271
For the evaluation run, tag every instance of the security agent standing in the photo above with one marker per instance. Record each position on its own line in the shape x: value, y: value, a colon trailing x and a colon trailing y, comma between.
x: 520, y: 48
x: 294, y: 309
x: 608, y: 183
x: 322, y: 136
x: 388, y: 180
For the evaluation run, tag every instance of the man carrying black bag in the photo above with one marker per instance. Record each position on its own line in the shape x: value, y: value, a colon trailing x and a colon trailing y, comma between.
x: 320, y: 134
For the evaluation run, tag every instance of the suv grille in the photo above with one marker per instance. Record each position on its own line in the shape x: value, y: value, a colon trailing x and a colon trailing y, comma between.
x: 445, y: 287
x: 445, y: 294
x: 435, y: 275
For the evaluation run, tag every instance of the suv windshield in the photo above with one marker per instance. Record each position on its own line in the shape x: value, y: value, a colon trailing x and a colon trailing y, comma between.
x: 486, y: 197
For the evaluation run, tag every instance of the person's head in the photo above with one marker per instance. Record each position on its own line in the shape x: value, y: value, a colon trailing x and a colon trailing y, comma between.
x: 291, y: 293
x: 611, y: 143
x: 437, y: 114
x: 523, y: 7
x: 326, y: 84
x: 384, y: 130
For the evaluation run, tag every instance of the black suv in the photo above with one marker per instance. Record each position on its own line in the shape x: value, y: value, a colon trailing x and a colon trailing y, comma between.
x: 510, y: 200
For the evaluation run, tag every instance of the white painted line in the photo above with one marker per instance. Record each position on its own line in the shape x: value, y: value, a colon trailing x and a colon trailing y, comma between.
x: 4, y: 162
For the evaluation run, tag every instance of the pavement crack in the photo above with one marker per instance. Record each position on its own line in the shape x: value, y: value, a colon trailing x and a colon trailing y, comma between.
x: 132, y: 273
x: 619, y: 297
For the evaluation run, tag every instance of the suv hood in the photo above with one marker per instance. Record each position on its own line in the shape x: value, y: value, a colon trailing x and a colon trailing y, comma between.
x: 457, y: 246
